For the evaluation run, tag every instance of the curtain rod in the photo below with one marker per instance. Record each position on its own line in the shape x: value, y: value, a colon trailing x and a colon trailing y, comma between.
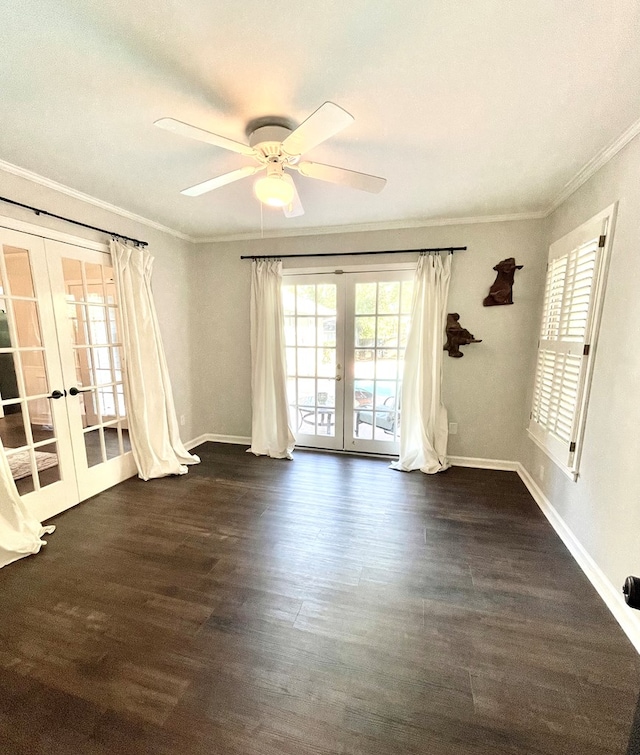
x: 450, y: 249
x: 37, y: 211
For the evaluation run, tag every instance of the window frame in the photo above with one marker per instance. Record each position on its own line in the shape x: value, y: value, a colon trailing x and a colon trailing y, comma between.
x: 567, y: 455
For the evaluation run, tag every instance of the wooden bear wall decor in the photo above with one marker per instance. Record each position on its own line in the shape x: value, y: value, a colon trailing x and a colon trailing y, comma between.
x: 457, y: 336
x: 501, y: 292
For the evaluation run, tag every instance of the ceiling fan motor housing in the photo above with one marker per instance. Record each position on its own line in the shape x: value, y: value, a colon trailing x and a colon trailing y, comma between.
x: 268, y: 139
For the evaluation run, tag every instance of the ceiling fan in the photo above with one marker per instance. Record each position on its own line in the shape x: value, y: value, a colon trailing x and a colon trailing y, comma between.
x: 277, y: 146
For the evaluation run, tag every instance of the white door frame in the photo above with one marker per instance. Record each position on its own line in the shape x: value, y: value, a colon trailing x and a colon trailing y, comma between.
x: 345, y: 278
x: 71, y: 489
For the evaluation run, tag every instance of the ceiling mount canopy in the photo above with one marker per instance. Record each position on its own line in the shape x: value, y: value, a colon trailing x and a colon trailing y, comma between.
x: 275, y: 144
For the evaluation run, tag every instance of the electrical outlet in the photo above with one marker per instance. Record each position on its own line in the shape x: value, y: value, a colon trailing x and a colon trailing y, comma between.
x: 541, y: 472
x: 182, y: 420
x: 453, y: 428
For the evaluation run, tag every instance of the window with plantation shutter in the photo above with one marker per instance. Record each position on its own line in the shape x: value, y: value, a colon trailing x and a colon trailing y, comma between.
x: 570, y: 314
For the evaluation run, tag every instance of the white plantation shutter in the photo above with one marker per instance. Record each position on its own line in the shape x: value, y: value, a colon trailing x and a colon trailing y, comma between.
x: 572, y: 301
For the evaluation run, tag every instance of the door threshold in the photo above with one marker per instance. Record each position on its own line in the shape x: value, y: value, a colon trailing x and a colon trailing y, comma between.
x: 347, y: 453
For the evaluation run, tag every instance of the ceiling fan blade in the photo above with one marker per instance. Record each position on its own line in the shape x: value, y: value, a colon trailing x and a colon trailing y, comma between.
x: 193, y: 132
x: 342, y: 176
x: 295, y: 209
x: 326, y: 121
x: 223, y: 180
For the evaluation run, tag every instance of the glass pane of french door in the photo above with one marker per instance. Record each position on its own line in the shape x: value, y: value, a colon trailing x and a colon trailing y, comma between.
x: 313, y: 306
x: 88, y: 314
x: 33, y: 419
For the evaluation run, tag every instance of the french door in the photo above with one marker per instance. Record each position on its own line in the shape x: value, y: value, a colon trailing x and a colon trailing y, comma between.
x: 62, y: 412
x: 345, y: 336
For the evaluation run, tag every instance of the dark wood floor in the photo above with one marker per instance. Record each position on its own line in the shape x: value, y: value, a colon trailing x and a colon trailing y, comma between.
x: 324, y: 605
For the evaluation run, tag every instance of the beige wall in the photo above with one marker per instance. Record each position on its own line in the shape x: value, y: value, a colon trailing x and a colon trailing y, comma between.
x: 484, y: 391
x: 603, y: 507
x: 170, y: 275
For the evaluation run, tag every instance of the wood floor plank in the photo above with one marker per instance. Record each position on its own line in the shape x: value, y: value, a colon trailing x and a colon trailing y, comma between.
x: 326, y: 605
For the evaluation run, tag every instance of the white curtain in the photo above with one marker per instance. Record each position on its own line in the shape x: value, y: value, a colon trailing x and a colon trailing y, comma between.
x: 271, y: 434
x: 20, y: 534
x: 424, y: 431
x: 153, y: 426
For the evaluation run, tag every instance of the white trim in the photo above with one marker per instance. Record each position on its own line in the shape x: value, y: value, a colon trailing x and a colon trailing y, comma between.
x: 343, y: 452
x: 601, y: 224
x: 593, y: 166
x: 29, y: 175
x: 476, y: 463
x: 390, y: 225
x: 49, y: 184
x: 239, y: 440
x: 572, y: 475
x: 611, y: 596
x: 190, y: 444
x: 456, y: 461
x: 46, y: 233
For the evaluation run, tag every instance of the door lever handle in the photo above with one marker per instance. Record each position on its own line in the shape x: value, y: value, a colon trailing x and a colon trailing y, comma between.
x: 73, y: 391
x: 57, y: 394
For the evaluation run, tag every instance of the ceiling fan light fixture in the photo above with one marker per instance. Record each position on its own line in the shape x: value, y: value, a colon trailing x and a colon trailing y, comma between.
x: 273, y: 191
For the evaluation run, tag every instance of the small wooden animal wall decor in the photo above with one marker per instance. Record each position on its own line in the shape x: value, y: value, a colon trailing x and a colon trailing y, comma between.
x: 457, y: 336
x: 501, y: 291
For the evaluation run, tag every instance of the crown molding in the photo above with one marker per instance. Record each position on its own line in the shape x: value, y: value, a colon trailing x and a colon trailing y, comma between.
x: 593, y: 166
x: 581, y: 177
x: 383, y: 226
x: 49, y: 184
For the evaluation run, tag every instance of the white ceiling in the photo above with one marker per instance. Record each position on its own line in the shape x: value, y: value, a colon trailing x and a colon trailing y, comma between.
x: 473, y: 108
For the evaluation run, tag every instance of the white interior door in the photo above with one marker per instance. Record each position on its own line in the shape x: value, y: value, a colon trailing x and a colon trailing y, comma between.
x: 345, y: 335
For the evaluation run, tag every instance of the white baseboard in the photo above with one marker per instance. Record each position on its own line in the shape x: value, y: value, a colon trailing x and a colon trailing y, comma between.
x: 469, y: 461
x: 191, y: 444
x: 456, y: 461
x: 239, y: 440
x: 611, y: 595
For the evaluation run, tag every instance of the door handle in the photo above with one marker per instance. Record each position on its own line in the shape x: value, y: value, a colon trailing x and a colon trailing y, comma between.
x: 57, y: 394
x: 338, y: 378
x: 73, y: 391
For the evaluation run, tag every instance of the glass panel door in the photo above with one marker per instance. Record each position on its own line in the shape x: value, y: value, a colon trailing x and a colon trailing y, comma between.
x: 33, y: 417
x: 88, y: 316
x: 346, y: 335
x: 313, y: 307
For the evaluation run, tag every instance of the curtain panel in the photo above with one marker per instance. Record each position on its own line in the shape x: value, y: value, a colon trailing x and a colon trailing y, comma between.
x: 20, y: 534
x: 153, y: 425
x: 424, y: 436
x: 271, y: 434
